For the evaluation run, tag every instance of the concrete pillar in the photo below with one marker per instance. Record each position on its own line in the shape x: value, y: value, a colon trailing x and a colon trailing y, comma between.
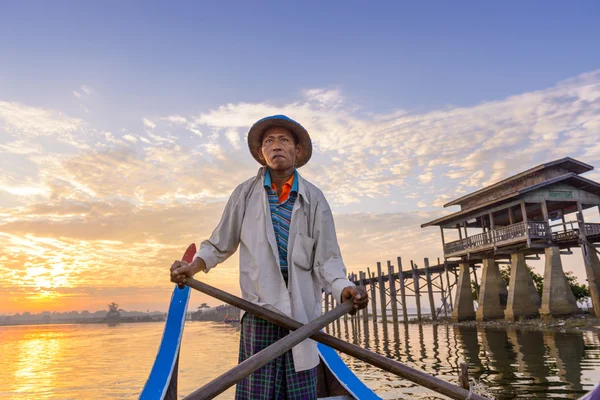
x: 489, y: 293
x: 523, y: 298
x: 463, y: 304
x: 592, y: 270
x: 557, y: 297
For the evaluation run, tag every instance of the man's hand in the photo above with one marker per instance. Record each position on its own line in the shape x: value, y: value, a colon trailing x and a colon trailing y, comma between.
x: 180, y: 270
x: 359, y: 294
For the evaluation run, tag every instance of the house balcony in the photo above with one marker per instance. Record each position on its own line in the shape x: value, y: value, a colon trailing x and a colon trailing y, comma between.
x: 522, y: 232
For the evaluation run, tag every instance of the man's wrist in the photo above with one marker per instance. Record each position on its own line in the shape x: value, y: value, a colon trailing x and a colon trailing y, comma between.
x: 198, y: 265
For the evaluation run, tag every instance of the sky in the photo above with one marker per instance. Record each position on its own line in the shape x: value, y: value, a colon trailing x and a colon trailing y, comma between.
x: 123, y: 126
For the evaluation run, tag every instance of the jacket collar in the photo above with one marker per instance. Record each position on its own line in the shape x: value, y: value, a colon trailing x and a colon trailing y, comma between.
x: 298, y: 180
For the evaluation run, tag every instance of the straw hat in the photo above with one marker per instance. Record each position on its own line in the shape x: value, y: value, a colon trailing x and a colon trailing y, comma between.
x: 301, y: 134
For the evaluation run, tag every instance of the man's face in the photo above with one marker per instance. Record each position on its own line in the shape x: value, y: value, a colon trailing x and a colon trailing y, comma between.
x: 279, y: 149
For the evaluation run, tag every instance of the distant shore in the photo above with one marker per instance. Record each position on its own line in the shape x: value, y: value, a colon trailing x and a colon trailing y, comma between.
x: 103, y: 320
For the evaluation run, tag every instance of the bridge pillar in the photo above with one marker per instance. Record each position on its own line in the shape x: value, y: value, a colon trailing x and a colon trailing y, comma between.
x: 490, y: 306
x: 557, y: 297
x: 592, y: 271
x: 463, y: 305
x: 523, y: 298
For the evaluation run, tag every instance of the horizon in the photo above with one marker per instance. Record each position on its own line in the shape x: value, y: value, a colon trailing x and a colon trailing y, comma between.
x: 123, y: 128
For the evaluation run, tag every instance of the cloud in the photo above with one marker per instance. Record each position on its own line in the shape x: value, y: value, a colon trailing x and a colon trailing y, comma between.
x: 19, y: 120
x: 426, y: 177
x: 79, y: 204
x: 149, y: 123
x: 86, y: 89
x: 76, y: 94
x: 130, y: 138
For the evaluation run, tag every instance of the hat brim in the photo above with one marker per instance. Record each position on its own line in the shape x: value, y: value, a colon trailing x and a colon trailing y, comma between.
x: 257, y: 130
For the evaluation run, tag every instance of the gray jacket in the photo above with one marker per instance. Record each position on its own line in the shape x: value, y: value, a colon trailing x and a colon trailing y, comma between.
x: 314, y: 259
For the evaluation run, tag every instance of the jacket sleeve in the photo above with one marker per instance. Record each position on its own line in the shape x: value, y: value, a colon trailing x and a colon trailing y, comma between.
x: 225, y: 239
x: 328, y: 264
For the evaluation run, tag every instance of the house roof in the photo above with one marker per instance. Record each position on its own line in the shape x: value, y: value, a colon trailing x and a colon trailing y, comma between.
x: 570, y: 164
x: 571, y: 178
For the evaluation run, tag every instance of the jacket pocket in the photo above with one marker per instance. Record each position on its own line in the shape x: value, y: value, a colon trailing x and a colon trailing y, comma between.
x: 302, y: 253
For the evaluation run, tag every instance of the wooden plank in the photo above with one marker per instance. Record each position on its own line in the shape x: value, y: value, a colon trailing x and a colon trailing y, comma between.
x: 337, y: 321
x: 365, y: 310
x: 383, y: 300
x: 245, y: 368
x: 449, y: 286
x: 444, y: 294
x: 524, y: 214
x: 393, y: 298
x: 377, y: 360
x: 416, y: 290
x: 373, y: 297
x: 442, y: 233
x: 429, y: 289
x: 402, y: 290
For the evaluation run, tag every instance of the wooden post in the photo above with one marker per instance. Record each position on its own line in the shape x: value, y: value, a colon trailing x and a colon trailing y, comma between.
x: 346, y: 322
x: 326, y: 301
x: 448, y: 282
x: 338, y: 323
x: 443, y: 240
x: 511, y: 216
x: 417, y: 290
x: 444, y: 294
x: 382, y: 294
x: 463, y: 377
x: 393, y: 299
x: 373, y: 297
x: 492, y: 226
x: 475, y: 277
x: 365, y: 310
x: 524, y: 213
x: 402, y: 290
x: 332, y: 302
x: 429, y: 289
x: 460, y: 235
x: 465, y: 226
x: 546, y: 220
x: 373, y: 291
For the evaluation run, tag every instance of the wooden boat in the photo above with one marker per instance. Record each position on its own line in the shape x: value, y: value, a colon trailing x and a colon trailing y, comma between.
x: 335, y: 380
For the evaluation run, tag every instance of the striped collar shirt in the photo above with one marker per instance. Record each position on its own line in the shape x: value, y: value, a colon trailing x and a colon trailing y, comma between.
x: 281, y: 214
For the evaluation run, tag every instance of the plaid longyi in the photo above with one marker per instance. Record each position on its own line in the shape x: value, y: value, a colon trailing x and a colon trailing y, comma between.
x: 278, y: 379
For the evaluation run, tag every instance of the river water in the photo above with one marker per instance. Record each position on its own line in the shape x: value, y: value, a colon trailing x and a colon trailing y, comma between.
x: 97, y: 361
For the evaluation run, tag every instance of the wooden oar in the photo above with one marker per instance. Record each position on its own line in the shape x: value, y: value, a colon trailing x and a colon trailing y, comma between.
x: 395, y: 367
x: 245, y: 368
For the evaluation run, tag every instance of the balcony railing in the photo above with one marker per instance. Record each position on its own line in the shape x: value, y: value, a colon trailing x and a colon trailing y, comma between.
x: 592, y: 229
x: 501, y: 236
x: 515, y: 233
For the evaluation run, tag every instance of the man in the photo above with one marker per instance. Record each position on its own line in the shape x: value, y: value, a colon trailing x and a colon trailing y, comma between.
x: 288, y: 254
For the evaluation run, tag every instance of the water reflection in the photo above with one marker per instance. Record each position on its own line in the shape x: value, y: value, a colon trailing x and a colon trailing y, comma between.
x: 568, y: 350
x: 36, y: 353
x: 511, y: 363
x: 114, y: 362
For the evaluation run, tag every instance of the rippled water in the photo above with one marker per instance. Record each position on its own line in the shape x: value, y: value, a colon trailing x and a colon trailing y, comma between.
x: 100, y: 361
